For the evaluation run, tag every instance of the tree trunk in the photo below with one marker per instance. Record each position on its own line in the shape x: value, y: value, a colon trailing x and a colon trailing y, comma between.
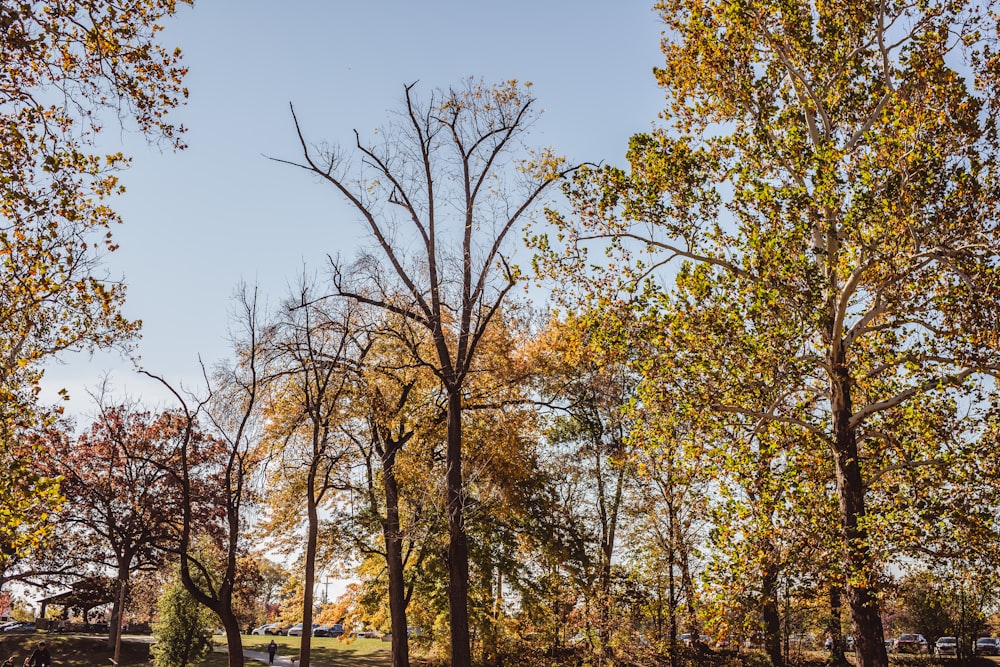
x: 861, y: 586
x: 672, y: 543
x: 234, y: 641
x: 687, y: 586
x: 835, y: 630
x: 770, y: 616
x: 609, y: 524
x: 312, y: 536
x: 394, y: 559
x: 458, y: 547
x: 117, y: 611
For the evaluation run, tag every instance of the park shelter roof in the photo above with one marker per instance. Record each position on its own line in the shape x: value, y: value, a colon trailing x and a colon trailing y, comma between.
x: 86, y: 593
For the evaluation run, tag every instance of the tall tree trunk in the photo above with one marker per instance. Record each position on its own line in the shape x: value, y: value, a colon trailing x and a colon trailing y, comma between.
x: 117, y: 611
x: 394, y: 559
x: 672, y: 543
x: 312, y: 536
x: 834, y: 628
x: 861, y: 586
x: 458, y: 547
x: 497, y: 613
x: 672, y: 603
x: 687, y: 586
x: 609, y: 509
x: 770, y: 616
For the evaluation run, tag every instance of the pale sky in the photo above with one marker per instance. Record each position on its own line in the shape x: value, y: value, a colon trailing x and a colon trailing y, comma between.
x: 199, y: 222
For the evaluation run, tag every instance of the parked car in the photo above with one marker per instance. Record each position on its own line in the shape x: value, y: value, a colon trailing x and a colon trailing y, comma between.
x: 367, y: 633
x: 23, y: 626
x: 987, y: 646
x: 296, y: 630
x: 910, y: 643
x: 802, y: 642
x: 848, y: 643
x: 946, y: 646
x: 335, y: 630
x: 264, y: 629
x: 688, y: 639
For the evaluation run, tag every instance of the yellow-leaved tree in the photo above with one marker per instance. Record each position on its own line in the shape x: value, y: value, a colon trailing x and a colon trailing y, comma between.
x: 68, y: 69
x: 828, y: 170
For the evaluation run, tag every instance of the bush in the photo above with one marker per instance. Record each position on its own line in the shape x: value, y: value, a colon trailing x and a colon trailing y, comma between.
x: 184, y: 634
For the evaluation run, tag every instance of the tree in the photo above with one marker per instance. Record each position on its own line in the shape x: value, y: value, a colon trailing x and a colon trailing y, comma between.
x: 217, y: 464
x: 121, y: 507
x: 833, y: 168
x: 184, y: 633
x: 67, y: 66
x: 393, y: 401
x: 583, y: 375
x: 446, y: 172
x: 29, y: 499
x: 316, y: 350
x: 669, y: 514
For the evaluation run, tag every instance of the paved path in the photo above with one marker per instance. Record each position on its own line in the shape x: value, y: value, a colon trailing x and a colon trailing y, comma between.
x: 261, y: 656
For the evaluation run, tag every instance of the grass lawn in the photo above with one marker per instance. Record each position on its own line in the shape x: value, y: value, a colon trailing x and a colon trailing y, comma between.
x: 325, y: 651
x: 72, y: 650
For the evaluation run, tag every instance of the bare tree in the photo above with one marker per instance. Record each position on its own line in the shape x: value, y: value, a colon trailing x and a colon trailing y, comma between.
x: 231, y: 410
x: 441, y: 192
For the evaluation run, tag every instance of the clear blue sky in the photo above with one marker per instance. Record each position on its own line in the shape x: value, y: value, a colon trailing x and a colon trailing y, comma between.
x: 200, y: 221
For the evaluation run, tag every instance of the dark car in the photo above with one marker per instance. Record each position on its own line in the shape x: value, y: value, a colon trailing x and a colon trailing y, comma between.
x: 987, y: 646
x: 335, y: 630
x: 910, y: 643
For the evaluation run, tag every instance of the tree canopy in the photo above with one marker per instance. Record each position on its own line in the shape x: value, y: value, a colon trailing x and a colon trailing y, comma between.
x: 69, y: 70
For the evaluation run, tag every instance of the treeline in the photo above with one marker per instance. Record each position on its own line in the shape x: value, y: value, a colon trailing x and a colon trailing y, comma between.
x: 759, y: 405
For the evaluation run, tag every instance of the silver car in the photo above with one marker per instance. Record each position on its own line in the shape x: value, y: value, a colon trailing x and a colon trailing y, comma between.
x: 946, y: 646
x: 296, y: 630
x: 987, y: 646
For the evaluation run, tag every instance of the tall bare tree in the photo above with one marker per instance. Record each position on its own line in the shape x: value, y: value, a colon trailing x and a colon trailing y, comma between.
x: 210, y: 546
x: 441, y: 191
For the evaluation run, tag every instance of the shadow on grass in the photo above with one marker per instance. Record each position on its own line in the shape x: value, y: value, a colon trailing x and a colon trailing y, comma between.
x: 71, y: 650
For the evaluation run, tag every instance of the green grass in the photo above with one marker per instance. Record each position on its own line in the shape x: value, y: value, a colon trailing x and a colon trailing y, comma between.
x: 325, y: 651
x: 73, y: 650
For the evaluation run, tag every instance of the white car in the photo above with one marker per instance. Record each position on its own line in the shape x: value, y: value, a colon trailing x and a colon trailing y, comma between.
x: 296, y: 630
x: 263, y: 630
x: 946, y: 646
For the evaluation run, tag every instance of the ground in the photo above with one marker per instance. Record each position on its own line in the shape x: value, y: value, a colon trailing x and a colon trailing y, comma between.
x: 72, y: 650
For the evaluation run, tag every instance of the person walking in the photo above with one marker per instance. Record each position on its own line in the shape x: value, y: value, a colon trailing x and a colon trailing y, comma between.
x: 40, y: 657
x: 272, y: 648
